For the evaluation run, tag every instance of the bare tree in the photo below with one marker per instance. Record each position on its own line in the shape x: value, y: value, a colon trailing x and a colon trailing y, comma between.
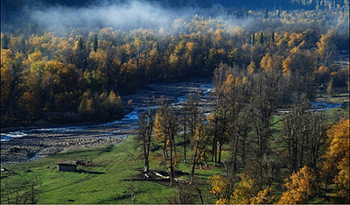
x: 31, y: 192
x: 200, y: 140
x: 144, y: 136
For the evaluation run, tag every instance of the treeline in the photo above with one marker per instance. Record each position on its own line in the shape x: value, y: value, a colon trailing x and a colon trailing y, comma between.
x: 302, y: 159
x: 79, y: 76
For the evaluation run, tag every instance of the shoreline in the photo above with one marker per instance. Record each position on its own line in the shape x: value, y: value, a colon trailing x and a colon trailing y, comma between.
x: 42, y: 140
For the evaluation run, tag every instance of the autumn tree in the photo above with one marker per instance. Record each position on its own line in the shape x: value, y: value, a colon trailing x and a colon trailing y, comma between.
x: 301, y: 187
x: 144, y: 137
x: 335, y: 168
x: 267, y: 90
x: 165, y: 130
x: 220, y: 187
x: 11, y: 82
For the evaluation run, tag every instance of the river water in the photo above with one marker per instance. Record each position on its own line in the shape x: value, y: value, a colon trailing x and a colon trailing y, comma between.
x: 174, y: 92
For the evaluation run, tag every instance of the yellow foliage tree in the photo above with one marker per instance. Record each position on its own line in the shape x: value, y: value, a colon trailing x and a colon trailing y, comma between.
x: 244, y: 191
x: 336, y: 164
x: 300, y: 187
x: 263, y: 197
x: 220, y: 188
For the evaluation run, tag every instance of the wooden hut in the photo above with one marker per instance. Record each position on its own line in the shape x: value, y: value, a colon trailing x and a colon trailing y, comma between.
x: 67, y: 166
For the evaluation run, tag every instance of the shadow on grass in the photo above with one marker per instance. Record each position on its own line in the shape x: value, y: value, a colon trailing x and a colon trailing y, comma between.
x: 88, y: 172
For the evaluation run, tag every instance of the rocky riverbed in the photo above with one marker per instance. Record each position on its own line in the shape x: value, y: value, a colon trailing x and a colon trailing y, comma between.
x: 25, y: 144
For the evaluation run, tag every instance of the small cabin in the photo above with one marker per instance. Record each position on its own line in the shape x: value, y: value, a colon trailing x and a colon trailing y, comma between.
x: 67, y: 166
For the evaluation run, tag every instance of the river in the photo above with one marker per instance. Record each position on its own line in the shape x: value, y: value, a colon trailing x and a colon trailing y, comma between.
x: 174, y: 92
x: 28, y: 144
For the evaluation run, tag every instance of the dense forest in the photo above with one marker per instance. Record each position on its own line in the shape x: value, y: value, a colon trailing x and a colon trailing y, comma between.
x: 79, y: 75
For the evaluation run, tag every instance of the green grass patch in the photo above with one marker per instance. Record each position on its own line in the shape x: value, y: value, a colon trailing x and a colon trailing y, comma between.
x: 105, y: 182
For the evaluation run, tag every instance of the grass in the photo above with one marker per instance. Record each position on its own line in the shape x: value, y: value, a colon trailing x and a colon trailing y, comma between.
x: 111, y: 166
x: 109, y: 177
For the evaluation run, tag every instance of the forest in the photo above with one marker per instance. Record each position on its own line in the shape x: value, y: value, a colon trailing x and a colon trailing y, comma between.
x: 262, y: 63
x: 74, y: 77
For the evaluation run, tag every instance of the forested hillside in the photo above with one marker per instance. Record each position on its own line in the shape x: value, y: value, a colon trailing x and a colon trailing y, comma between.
x: 78, y: 75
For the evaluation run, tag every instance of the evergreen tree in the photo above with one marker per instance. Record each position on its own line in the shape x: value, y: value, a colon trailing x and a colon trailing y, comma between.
x: 261, y: 38
x: 253, y: 39
x: 95, y: 45
x: 266, y: 14
x: 80, y: 45
x: 5, y: 42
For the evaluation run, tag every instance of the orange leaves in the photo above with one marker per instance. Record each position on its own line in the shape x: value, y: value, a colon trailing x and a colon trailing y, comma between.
x: 336, y: 165
x: 300, y: 186
x: 338, y: 140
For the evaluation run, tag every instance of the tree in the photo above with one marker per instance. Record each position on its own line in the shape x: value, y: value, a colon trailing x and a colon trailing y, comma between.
x: 336, y: 164
x: 220, y: 187
x: 261, y: 38
x: 11, y: 82
x: 165, y: 129
x: 266, y: 13
x: 144, y: 136
x: 327, y: 49
x: 28, y: 194
x: 199, y: 142
x: 243, y: 191
x: 294, y: 128
x: 267, y: 91
x: 95, y: 43
x: 263, y: 197
x: 5, y: 41
x: 301, y: 186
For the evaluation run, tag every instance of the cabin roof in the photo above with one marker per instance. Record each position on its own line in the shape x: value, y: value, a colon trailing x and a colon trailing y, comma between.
x: 69, y: 163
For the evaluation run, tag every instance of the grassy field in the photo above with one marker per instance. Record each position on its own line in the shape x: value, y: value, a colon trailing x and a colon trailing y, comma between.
x: 108, y: 179
x: 104, y: 183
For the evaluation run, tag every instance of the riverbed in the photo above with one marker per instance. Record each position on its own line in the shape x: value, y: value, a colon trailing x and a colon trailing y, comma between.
x: 32, y: 143
x: 26, y: 144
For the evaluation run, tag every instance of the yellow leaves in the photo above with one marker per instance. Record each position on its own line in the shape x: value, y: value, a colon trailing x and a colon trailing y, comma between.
x: 7, y: 58
x: 286, y: 64
x: 264, y: 197
x: 300, y: 186
x: 243, y: 191
x: 222, y: 201
x: 157, y: 128
x: 220, y: 188
x: 267, y: 63
x: 338, y: 139
x: 294, y: 50
x: 337, y: 158
x: 34, y: 57
x: 190, y: 46
x: 5, y: 85
x: 173, y: 59
x: 86, y: 106
x: 228, y: 84
x: 251, y: 67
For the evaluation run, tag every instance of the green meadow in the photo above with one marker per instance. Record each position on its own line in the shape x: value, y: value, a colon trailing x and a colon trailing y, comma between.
x: 108, y: 179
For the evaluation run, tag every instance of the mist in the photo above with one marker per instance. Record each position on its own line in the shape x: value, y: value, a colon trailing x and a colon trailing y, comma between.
x: 125, y: 16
